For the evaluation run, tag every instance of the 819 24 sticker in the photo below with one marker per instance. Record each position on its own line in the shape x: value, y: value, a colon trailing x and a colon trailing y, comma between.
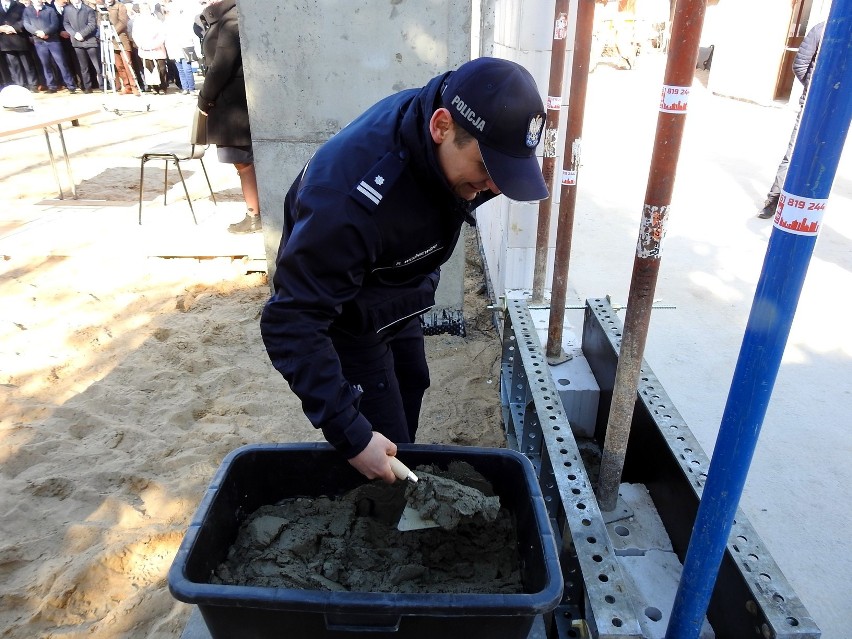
x: 799, y: 215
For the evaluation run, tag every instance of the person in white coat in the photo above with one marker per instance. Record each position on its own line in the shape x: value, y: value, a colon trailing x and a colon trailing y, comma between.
x: 149, y: 34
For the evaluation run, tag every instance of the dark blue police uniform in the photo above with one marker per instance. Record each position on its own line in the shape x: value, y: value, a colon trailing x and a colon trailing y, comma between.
x: 368, y: 223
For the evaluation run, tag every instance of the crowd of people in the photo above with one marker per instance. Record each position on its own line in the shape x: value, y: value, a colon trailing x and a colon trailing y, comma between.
x: 58, y: 45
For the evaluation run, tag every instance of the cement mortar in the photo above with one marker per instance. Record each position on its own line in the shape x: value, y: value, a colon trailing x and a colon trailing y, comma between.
x: 350, y: 543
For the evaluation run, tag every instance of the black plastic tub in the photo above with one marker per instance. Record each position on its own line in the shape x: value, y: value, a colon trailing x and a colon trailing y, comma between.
x: 257, y: 475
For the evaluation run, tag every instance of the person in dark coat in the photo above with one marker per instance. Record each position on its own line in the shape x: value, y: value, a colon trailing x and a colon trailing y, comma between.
x: 223, y: 99
x: 803, y: 67
x: 81, y: 23
x: 367, y: 225
x: 44, y: 23
x: 15, y: 44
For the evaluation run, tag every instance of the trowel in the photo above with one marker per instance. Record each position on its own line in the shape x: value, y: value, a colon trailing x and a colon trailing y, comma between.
x: 411, y: 518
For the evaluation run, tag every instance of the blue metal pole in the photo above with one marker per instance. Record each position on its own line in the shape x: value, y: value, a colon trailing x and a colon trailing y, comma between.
x: 822, y: 133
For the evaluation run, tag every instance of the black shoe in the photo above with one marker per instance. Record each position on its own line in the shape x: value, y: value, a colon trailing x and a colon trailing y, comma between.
x: 769, y: 207
x: 249, y: 224
x: 87, y: 90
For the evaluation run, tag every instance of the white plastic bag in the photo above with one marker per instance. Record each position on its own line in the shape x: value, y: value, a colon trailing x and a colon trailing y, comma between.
x: 151, y: 76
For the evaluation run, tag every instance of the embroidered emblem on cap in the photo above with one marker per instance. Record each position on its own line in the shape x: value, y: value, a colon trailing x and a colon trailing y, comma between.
x: 534, y: 130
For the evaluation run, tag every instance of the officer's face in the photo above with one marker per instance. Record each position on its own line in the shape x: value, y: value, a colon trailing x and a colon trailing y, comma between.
x: 463, y: 166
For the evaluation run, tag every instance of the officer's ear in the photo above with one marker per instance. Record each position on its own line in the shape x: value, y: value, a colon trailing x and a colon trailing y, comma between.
x: 440, y: 125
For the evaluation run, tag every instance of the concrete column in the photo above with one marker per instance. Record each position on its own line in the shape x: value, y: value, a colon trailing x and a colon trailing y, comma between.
x: 312, y: 66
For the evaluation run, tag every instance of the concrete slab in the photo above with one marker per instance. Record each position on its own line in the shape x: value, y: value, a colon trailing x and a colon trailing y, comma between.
x: 642, y: 529
x: 655, y: 577
x: 111, y: 230
x: 104, y: 220
x: 649, y: 563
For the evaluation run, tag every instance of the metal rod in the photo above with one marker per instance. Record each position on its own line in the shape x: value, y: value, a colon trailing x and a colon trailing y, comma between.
x: 551, y: 133
x: 570, y: 167
x: 67, y: 161
x: 824, y: 127
x: 680, y: 68
x: 53, y: 164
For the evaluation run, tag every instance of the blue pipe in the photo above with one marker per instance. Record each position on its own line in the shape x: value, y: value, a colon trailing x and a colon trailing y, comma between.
x: 822, y: 133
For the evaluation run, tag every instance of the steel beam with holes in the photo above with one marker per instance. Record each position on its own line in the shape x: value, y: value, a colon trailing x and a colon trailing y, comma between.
x: 752, y: 598
x: 536, y: 425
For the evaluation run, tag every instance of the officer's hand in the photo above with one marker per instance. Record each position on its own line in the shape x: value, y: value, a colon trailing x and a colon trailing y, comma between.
x: 373, y: 462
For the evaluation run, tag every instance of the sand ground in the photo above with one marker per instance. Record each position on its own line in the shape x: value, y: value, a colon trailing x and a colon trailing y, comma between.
x: 125, y: 378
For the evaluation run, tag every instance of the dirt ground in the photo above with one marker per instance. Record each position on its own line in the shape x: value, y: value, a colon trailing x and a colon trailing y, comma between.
x: 124, y: 384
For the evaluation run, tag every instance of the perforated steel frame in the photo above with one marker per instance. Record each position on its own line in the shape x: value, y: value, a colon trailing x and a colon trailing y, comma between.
x: 752, y: 597
x: 536, y: 425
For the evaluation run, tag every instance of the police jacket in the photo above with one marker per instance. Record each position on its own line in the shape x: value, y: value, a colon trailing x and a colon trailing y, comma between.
x: 368, y: 223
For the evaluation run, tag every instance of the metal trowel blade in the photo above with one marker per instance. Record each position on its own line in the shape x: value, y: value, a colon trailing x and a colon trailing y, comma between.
x: 411, y: 520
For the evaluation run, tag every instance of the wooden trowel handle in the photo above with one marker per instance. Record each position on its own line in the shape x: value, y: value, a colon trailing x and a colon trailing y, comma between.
x: 401, y: 470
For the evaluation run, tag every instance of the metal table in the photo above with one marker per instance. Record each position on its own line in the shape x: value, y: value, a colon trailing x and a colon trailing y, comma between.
x: 14, y: 122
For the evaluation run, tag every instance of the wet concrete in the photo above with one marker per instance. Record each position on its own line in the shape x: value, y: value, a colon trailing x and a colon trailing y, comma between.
x: 351, y: 543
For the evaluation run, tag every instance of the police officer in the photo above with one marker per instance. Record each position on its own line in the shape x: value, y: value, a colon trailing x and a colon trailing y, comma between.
x: 368, y: 223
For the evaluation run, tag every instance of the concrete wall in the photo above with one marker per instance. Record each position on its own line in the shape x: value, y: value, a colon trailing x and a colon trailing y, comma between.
x: 311, y: 66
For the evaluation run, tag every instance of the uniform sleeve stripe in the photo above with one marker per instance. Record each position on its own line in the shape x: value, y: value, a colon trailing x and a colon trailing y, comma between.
x: 371, y: 189
x: 369, y: 192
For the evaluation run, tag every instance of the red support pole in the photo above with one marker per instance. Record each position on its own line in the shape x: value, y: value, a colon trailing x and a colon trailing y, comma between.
x: 551, y: 132
x: 680, y: 68
x: 570, y: 168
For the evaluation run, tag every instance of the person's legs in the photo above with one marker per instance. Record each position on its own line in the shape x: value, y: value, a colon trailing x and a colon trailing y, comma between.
x: 162, y: 70
x: 16, y: 70
x: 187, y: 80
x: 774, y: 194
x: 34, y: 64
x: 149, y: 66
x: 82, y: 57
x: 123, y: 74
x: 368, y: 362
x: 72, y: 62
x: 5, y: 73
x: 411, y: 371
x: 94, y: 56
x: 57, y: 53
x: 248, y: 182
x: 242, y: 158
x: 43, y: 53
